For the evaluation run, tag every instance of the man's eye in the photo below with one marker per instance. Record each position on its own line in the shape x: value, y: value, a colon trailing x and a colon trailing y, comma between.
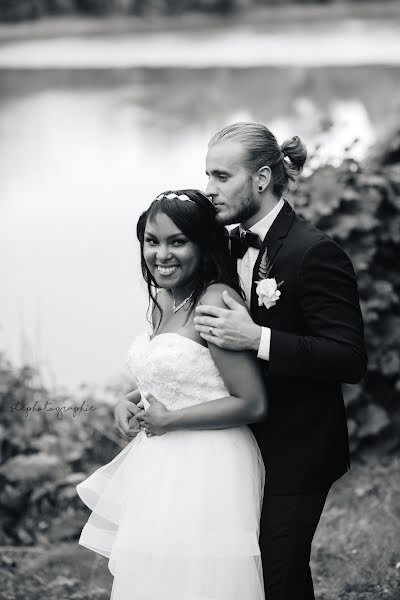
x: 222, y: 177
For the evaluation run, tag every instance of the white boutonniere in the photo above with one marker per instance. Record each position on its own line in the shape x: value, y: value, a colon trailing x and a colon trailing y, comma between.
x: 267, y: 288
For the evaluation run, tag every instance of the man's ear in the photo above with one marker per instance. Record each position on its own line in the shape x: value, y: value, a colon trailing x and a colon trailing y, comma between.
x: 264, y: 178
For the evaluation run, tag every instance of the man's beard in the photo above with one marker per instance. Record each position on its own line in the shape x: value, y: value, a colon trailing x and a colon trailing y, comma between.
x: 245, y: 211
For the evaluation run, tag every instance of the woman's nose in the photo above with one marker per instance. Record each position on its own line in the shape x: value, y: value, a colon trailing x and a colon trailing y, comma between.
x: 163, y: 252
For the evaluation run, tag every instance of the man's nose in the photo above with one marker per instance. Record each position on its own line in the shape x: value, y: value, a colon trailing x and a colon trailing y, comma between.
x: 210, y: 190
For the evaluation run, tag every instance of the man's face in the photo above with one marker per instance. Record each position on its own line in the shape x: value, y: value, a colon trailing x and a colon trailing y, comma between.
x: 230, y: 185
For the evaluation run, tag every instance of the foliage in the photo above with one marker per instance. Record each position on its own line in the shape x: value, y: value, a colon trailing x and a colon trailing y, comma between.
x: 358, y: 205
x: 355, y: 550
x: 21, y: 10
x: 44, y: 452
x: 46, y: 448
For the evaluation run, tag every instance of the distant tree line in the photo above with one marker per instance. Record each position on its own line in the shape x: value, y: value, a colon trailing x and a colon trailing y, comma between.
x: 21, y: 10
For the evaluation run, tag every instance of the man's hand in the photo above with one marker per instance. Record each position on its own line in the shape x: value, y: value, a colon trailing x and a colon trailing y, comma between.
x: 125, y: 422
x: 154, y: 420
x: 231, y: 328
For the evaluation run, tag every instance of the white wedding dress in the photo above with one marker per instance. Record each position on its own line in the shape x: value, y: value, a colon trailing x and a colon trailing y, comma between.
x: 178, y: 515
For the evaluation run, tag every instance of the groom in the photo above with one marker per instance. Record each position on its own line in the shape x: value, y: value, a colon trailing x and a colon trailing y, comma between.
x: 307, y: 333
x: 309, y: 339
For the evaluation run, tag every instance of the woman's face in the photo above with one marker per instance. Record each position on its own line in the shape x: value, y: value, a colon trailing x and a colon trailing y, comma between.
x: 171, y: 257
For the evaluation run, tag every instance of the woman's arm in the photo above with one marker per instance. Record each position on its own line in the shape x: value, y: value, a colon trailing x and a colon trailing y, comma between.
x: 247, y: 402
x: 125, y: 410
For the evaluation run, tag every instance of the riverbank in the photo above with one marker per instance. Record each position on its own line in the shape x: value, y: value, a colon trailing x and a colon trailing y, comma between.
x: 355, y: 553
x: 329, y: 43
x: 289, y: 17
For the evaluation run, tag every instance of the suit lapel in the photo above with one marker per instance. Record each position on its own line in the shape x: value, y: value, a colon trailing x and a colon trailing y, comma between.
x: 272, y: 242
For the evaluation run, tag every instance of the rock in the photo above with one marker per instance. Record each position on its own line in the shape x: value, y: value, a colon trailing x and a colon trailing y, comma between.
x: 67, y: 494
x: 51, y: 487
x: 63, y: 583
x: 352, y: 394
x: 2, y: 438
x: 354, y: 444
x: 47, y: 489
x: 47, y: 443
x: 64, y: 528
x: 390, y: 363
x: 364, y: 490
x: 74, y: 478
x: 375, y: 421
x: 75, y: 456
x: 24, y: 537
x: 13, y: 498
x: 32, y: 468
x: 352, y: 427
x: 8, y: 560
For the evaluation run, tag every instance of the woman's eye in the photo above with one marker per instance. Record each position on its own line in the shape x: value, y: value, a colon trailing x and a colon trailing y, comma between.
x: 178, y: 242
x: 150, y: 241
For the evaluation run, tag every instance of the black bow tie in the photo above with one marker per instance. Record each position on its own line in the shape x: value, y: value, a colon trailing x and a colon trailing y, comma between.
x: 240, y: 243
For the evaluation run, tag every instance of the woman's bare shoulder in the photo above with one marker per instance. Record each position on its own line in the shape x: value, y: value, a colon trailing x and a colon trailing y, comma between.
x: 213, y: 295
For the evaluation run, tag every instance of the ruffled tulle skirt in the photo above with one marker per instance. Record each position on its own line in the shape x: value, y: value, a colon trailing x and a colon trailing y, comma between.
x: 178, y: 516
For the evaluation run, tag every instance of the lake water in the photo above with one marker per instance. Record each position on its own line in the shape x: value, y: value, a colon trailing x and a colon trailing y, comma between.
x: 84, y: 149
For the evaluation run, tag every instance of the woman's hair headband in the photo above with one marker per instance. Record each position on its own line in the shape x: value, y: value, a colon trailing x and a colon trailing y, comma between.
x: 173, y: 196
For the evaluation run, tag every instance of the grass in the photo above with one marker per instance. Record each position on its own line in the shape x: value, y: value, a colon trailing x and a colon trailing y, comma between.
x: 356, y: 552
x: 357, y: 545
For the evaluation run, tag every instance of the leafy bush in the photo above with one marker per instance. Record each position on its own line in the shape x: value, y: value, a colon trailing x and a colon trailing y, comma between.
x: 358, y: 205
x: 22, y: 10
x: 44, y: 452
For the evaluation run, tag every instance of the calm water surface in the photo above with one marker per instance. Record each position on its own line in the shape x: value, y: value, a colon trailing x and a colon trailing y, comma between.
x: 83, y: 152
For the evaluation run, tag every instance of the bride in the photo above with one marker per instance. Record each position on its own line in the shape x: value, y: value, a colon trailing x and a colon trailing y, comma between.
x: 177, y: 511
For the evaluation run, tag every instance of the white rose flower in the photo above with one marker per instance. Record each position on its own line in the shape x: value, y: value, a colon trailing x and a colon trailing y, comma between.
x: 267, y: 292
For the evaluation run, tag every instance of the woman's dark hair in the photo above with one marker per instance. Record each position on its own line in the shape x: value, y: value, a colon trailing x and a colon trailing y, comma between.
x: 262, y: 149
x: 196, y: 220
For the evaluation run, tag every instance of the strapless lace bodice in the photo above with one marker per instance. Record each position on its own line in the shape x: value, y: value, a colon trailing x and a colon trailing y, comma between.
x: 174, y: 369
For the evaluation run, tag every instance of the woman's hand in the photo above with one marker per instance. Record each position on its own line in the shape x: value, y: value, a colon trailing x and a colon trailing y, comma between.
x: 124, y: 417
x: 154, y: 420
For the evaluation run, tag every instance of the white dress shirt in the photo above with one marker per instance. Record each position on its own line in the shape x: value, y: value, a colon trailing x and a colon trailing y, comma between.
x: 245, y: 267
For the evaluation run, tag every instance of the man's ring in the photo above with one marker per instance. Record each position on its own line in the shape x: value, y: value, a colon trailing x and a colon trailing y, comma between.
x: 210, y: 331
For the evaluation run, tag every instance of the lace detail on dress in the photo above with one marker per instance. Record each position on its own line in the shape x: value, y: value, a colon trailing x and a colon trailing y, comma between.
x: 174, y: 369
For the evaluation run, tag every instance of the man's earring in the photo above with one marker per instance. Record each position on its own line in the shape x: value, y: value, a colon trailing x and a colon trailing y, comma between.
x: 259, y: 188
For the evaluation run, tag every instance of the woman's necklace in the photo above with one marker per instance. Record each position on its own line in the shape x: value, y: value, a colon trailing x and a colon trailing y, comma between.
x: 176, y: 308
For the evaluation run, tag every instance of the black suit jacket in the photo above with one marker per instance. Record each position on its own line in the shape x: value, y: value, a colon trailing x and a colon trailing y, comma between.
x: 317, y: 342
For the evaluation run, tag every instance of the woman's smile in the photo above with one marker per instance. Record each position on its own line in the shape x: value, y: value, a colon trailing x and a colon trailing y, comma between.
x: 166, y: 271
